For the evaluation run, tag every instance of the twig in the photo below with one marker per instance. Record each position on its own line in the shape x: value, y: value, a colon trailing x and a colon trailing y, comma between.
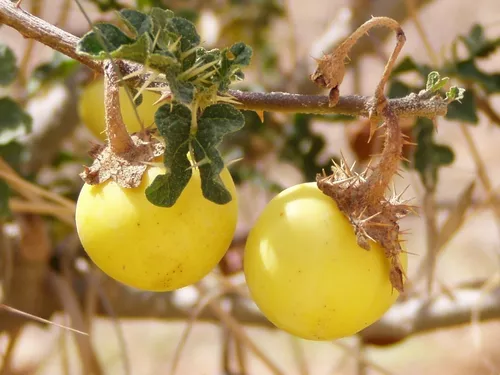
x: 239, y: 334
x: 429, y: 205
x: 42, y: 208
x: 59, y: 40
x: 362, y: 358
x: 482, y: 173
x: 38, y: 319
x: 9, y: 352
x: 21, y: 185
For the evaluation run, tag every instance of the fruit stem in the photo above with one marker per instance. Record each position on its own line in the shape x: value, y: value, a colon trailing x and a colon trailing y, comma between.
x: 361, y: 196
x: 378, y: 182
x: 118, y: 137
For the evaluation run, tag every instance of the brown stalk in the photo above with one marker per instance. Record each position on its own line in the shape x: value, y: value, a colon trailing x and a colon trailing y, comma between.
x: 361, y: 196
x: 119, y: 139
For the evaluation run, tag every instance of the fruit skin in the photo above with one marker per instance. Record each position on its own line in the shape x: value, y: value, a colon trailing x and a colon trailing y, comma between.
x: 91, y: 109
x: 306, y: 272
x: 155, y: 248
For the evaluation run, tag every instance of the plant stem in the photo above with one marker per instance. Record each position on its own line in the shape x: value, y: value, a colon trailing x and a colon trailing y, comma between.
x: 118, y: 137
x: 33, y: 27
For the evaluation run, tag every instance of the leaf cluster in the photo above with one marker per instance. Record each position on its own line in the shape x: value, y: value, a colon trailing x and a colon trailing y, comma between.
x: 14, y: 122
x: 197, y: 79
x: 430, y: 156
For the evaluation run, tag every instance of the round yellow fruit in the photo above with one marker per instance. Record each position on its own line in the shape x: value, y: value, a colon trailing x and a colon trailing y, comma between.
x: 91, y: 109
x: 155, y: 248
x: 306, y: 272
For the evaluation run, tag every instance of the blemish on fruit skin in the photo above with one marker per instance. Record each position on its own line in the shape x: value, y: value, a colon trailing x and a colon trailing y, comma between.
x: 123, y: 267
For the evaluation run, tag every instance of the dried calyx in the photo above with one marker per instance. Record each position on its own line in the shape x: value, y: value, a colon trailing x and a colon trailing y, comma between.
x: 361, y: 196
x: 124, y: 158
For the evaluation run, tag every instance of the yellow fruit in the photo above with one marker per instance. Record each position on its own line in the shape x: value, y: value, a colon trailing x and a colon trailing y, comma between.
x: 91, y: 109
x: 155, y: 248
x: 306, y: 272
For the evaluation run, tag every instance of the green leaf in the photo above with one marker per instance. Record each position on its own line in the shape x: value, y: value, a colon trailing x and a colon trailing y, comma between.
x: 14, y: 122
x: 160, y: 18
x: 12, y: 153
x: 106, y: 5
x: 174, y: 124
x: 429, y: 156
x: 59, y: 68
x: 8, y: 68
x: 144, y: 4
x: 303, y: 146
x: 455, y: 93
x: 409, y: 65
x: 233, y: 59
x: 163, y: 61
x: 477, y: 44
x: 435, y: 82
x: 399, y: 89
x: 468, y: 70
x: 137, y: 22
x: 186, y: 30
x: 4, y: 200
x: 137, y: 51
x: 183, y: 91
x: 112, y: 37
x: 241, y: 54
x: 216, y: 121
x: 465, y: 110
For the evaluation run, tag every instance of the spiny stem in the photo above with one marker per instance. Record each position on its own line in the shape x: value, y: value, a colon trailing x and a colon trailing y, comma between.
x: 118, y: 137
x: 378, y: 182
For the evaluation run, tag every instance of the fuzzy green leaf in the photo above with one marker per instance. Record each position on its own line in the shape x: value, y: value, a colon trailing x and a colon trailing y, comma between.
x: 467, y: 70
x: 112, y: 37
x: 160, y: 18
x: 435, y: 82
x: 137, y: 22
x: 186, y: 30
x: 455, y: 93
x: 216, y: 121
x: 8, y: 68
x: 163, y: 61
x: 174, y: 124
x: 464, y: 110
x: 234, y: 58
x: 4, y: 200
x: 14, y: 122
x: 12, y: 154
x: 477, y: 44
x: 429, y: 156
x: 399, y: 89
x: 137, y: 51
x: 182, y: 91
x: 409, y: 65
x: 59, y: 68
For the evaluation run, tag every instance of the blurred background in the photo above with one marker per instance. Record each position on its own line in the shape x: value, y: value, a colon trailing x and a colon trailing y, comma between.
x: 454, y: 242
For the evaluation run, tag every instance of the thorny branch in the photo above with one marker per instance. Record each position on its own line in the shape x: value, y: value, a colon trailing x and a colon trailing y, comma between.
x: 405, y: 318
x: 411, y: 106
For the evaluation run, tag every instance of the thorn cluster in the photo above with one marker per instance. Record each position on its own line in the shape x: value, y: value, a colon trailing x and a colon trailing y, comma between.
x: 372, y: 221
x: 361, y: 196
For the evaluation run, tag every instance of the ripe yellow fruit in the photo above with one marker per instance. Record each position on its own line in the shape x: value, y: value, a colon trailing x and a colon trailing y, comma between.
x: 306, y: 272
x: 91, y: 109
x: 155, y: 248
